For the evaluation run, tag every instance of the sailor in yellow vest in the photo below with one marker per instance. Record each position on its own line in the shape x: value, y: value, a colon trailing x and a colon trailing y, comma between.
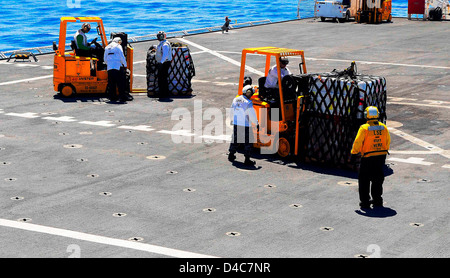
x: 372, y: 142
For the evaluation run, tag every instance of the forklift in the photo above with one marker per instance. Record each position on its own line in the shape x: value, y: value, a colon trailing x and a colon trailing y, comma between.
x: 284, y: 140
x: 74, y: 74
x: 374, y: 11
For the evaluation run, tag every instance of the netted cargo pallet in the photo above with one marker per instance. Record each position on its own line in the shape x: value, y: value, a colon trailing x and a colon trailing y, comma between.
x: 334, y: 111
x: 181, y: 72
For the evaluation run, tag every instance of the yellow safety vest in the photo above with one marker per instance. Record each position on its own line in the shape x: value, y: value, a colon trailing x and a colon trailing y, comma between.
x: 372, y: 139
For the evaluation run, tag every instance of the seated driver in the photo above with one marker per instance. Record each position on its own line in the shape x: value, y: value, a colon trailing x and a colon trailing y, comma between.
x: 84, y: 48
x: 272, y: 77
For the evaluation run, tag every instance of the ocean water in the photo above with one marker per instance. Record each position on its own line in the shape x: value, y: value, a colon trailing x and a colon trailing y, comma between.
x: 34, y: 23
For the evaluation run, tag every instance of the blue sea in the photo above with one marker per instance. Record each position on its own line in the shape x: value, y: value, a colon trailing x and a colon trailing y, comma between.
x: 34, y: 23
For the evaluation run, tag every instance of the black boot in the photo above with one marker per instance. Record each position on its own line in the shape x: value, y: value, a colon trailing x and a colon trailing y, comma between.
x: 249, y: 162
x: 231, y: 157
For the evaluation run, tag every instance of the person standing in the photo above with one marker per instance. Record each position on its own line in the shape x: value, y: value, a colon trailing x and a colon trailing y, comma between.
x: 226, y: 25
x: 163, y: 58
x: 243, y: 116
x: 116, y: 66
x: 372, y: 142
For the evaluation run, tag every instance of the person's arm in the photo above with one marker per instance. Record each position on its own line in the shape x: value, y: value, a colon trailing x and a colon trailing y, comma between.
x: 105, y: 56
x: 122, y: 57
x: 252, y: 114
x: 388, y: 140
x: 359, y: 140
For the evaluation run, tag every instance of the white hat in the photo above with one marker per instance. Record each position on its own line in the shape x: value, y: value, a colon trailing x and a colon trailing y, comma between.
x: 248, y: 88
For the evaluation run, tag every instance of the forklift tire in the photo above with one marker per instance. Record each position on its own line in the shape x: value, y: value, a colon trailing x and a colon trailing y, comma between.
x: 67, y: 90
x: 284, y: 147
x: 344, y: 19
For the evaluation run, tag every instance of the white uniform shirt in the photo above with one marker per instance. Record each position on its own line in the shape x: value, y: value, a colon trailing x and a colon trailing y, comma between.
x: 114, y: 57
x: 272, y: 77
x: 163, y: 52
x: 242, y: 111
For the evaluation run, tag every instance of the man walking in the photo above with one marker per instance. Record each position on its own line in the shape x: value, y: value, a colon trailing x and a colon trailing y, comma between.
x: 243, y: 116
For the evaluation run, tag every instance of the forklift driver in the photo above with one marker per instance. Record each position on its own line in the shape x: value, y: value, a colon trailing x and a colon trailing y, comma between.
x: 85, y: 49
x: 271, y: 83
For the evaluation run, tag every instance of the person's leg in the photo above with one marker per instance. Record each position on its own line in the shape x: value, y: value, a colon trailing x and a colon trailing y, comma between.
x: 112, y: 82
x: 163, y: 80
x: 378, y: 179
x: 248, y: 146
x: 121, y: 83
x: 233, y: 144
x: 364, y: 183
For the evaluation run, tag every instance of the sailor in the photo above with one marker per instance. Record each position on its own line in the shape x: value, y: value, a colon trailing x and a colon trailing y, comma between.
x: 243, y: 116
x: 163, y: 58
x: 83, y: 47
x: 272, y: 77
x: 226, y: 25
x: 116, y: 65
x: 372, y: 142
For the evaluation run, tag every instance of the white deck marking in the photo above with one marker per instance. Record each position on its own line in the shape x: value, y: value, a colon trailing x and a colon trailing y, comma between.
x: 181, y: 132
x: 412, y: 160
x: 28, y: 115
x: 101, y: 239
x: 219, y: 138
x: 434, y: 149
x: 215, y: 53
x: 419, y: 104
x: 25, y: 80
x: 357, y: 61
x: 98, y: 123
x: 379, y: 63
x: 61, y: 119
x: 137, y: 127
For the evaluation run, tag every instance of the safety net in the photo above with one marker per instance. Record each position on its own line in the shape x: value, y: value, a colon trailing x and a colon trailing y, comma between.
x: 334, y: 111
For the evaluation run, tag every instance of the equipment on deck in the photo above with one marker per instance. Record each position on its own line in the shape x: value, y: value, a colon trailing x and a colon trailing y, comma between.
x: 374, y: 11
x: 342, y: 10
x: 22, y: 56
x: 76, y: 74
x: 319, y: 113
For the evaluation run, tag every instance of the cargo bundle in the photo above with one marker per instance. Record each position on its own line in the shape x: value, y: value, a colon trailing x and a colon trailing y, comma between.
x: 334, y: 111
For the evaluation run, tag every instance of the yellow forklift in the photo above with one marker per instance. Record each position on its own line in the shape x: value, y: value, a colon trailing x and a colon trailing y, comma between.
x: 369, y: 11
x: 317, y: 115
x: 75, y: 74
x: 285, y: 139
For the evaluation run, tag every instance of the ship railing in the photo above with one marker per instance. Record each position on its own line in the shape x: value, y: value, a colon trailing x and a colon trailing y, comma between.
x: 49, y: 49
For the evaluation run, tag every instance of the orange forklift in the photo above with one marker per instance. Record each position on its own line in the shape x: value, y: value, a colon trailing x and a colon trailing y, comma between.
x: 73, y: 74
x: 284, y: 140
x: 374, y: 11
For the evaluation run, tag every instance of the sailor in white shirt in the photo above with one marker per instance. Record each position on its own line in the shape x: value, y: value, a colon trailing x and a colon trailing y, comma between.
x: 163, y: 58
x: 272, y: 77
x: 243, y: 115
x: 116, y: 65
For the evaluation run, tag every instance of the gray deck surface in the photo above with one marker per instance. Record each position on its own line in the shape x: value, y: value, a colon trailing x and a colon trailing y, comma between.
x: 60, y: 156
